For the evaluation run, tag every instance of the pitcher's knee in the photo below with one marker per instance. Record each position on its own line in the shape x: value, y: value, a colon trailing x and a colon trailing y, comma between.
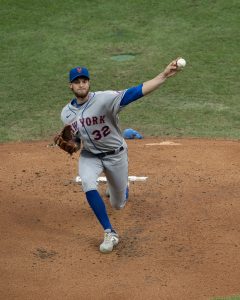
x: 88, y: 185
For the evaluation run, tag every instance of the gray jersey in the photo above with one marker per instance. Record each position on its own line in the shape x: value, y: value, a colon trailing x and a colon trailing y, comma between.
x: 96, y: 121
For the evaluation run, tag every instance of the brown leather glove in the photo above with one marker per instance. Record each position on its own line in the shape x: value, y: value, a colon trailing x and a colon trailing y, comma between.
x: 67, y: 141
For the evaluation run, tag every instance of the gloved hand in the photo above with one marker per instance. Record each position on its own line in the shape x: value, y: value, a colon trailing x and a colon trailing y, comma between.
x: 67, y: 141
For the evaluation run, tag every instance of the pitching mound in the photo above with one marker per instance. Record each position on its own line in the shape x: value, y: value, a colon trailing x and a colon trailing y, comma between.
x: 180, y: 231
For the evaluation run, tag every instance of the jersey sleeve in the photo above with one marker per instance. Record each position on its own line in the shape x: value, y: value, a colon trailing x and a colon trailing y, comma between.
x: 113, y: 100
x: 119, y: 99
x: 132, y: 94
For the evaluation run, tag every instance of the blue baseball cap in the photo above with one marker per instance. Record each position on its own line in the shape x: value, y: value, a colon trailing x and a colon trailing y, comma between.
x: 78, y: 72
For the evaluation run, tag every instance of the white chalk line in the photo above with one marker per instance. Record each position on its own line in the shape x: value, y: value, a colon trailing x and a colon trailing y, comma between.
x: 166, y: 143
x: 104, y: 179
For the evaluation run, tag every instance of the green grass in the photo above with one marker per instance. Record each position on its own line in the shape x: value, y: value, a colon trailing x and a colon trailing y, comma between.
x: 42, y: 40
x: 228, y: 298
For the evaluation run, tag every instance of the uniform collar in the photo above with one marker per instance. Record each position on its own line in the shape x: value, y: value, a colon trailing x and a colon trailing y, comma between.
x: 77, y: 105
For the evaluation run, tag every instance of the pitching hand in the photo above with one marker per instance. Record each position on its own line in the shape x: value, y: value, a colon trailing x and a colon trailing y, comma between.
x: 171, y: 69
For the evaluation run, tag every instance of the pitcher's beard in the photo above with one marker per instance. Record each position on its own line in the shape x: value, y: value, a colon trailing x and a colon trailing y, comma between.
x: 81, y: 94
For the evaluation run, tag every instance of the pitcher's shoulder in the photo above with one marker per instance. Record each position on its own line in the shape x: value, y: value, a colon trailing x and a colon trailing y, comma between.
x: 107, y: 94
x: 69, y: 113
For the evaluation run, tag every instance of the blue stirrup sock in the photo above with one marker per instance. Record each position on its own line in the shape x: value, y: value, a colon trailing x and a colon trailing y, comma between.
x: 96, y: 203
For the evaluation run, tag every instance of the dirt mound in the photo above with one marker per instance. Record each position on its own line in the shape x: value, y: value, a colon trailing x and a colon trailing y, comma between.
x: 180, y: 231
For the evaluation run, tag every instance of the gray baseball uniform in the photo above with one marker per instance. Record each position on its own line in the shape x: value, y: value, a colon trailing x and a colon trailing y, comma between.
x: 94, y: 119
x: 96, y: 123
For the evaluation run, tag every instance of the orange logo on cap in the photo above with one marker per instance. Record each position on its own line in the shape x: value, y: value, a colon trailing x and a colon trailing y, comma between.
x: 79, y: 70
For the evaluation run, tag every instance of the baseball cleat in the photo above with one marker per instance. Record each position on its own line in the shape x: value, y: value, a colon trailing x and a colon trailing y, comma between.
x: 111, y: 239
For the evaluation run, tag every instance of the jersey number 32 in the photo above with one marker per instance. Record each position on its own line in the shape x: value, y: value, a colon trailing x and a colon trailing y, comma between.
x: 98, y: 134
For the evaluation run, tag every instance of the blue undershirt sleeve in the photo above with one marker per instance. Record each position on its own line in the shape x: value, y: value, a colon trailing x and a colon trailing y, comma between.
x: 131, y: 95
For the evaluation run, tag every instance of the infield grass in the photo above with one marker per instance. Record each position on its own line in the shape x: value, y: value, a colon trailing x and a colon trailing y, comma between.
x: 42, y: 40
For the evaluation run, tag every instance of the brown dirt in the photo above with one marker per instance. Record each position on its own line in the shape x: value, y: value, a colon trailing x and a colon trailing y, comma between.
x: 180, y: 231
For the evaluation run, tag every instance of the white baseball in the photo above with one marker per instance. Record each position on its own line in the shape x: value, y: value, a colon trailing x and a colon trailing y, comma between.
x: 181, y: 62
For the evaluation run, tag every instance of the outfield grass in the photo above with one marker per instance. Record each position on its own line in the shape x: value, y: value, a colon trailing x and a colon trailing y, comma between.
x: 228, y: 298
x: 42, y: 40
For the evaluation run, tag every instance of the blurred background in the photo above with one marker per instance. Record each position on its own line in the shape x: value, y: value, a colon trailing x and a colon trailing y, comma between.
x: 122, y: 43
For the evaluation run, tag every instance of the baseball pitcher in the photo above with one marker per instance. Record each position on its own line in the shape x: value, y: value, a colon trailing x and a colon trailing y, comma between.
x: 91, y: 119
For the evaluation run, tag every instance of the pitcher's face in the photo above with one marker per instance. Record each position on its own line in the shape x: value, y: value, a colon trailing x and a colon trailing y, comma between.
x: 80, y: 87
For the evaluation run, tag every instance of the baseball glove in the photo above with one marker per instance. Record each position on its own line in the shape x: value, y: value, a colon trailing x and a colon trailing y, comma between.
x: 67, y: 141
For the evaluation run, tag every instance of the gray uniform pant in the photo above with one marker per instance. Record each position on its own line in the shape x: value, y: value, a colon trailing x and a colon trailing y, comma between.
x: 115, y: 168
